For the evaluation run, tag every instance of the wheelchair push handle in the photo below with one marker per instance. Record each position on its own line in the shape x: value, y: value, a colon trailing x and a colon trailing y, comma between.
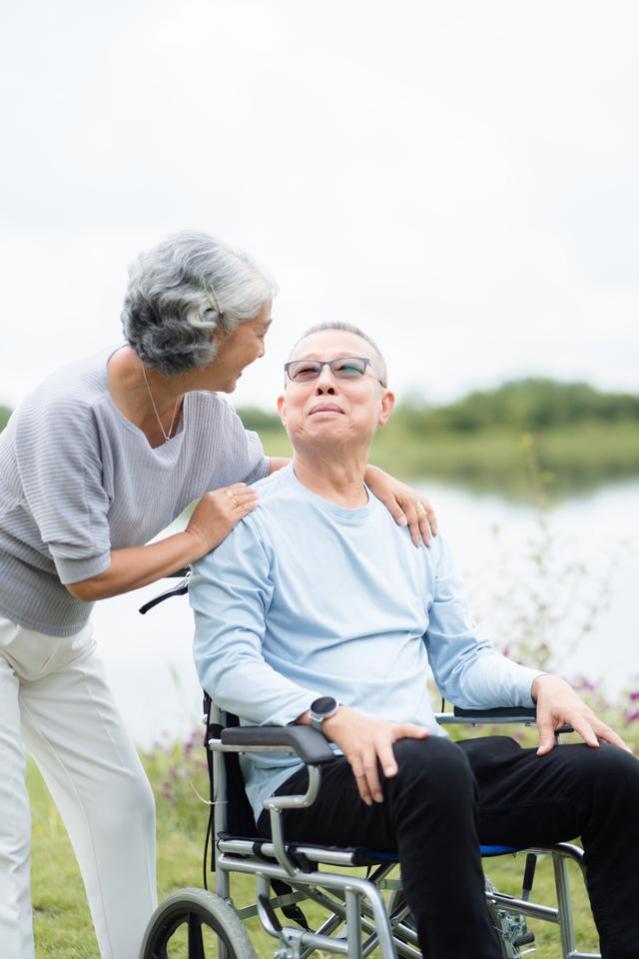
x: 182, y: 588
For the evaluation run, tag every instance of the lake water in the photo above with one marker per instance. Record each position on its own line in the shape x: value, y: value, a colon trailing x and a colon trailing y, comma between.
x: 577, y: 569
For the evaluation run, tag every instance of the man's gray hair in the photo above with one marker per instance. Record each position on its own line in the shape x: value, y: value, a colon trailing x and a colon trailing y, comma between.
x: 184, y: 289
x: 348, y: 328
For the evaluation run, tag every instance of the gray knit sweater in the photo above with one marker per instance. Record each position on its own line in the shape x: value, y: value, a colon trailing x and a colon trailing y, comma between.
x: 77, y: 480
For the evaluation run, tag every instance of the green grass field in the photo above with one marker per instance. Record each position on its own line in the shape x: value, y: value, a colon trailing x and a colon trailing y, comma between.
x: 62, y: 923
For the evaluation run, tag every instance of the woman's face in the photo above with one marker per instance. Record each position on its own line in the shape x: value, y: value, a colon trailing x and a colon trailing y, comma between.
x: 236, y: 350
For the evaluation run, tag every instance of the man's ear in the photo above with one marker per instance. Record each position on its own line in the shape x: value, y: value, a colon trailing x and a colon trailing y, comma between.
x: 281, y: 409
x: 386, y: 407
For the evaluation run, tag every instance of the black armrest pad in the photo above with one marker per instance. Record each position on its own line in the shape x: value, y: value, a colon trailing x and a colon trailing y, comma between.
x: 308, y: 743
x: 500, y: 712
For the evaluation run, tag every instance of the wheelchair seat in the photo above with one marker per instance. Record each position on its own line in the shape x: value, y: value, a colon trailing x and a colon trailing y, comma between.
x: 241, y: 823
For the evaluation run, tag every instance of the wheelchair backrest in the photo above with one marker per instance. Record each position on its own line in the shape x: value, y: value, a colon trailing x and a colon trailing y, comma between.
x: 240, y: 821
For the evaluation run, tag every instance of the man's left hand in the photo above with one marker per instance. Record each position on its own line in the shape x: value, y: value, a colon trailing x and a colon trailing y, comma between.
x: 558, y: 705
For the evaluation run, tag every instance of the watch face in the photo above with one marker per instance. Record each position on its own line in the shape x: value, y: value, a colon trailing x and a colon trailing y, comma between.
x: 323, y: 705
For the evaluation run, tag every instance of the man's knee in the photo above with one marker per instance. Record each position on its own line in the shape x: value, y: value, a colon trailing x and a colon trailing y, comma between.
x: 436, y: 769
x: 609, y: 772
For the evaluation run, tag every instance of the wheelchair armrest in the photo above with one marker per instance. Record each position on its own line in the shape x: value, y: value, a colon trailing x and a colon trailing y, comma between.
x: 477, y: 717
x: 500, y: 714
x: 309, y: 744
x: 519, y: 714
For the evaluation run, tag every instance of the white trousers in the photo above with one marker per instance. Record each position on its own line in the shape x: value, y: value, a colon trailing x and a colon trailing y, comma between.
x: 54, y: 698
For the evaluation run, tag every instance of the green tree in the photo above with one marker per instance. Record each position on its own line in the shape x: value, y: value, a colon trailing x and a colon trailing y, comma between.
x: 5, y: 413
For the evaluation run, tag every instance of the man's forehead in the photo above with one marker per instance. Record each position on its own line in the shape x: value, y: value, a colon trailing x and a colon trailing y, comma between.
x: 324, y: 344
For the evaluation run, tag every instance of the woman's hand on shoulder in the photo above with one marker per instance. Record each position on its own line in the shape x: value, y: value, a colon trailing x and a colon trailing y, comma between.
x: 405, y: 505
x: 218, y: 512
x: 133, y: 566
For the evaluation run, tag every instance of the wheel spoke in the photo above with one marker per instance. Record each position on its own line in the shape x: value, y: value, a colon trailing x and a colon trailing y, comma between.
x: 198, y: 925
x: 196, y: 944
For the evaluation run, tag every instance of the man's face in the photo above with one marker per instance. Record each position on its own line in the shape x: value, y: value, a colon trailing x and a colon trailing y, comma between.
x: 330, y: 410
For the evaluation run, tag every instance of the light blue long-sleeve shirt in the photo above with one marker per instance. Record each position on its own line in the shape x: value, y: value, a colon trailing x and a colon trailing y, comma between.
x: 306, y: 598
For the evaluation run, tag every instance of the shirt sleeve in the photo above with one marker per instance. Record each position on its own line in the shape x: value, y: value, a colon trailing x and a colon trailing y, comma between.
x: 230, y: 593
x: 61, y: 473
x: 468, y: 671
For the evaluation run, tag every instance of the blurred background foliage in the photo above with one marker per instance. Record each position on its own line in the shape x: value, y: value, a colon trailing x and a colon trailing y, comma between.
x: 582, y: 437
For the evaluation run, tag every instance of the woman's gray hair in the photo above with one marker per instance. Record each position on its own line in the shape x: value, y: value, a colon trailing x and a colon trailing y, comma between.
x: 184, y: 289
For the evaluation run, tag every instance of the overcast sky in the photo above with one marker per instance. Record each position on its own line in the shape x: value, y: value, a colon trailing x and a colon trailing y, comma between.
x: 461, y: 179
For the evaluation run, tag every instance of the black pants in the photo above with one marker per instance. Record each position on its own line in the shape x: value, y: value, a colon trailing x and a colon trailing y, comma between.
x: 447, y: 798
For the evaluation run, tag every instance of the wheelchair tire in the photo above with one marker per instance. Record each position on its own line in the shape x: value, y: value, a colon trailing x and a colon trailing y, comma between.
x: 186, y: 914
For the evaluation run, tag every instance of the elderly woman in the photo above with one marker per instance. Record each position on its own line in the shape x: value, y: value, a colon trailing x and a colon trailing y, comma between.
x: 95, y: 462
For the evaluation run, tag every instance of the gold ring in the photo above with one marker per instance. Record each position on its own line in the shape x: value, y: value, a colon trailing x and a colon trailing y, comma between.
x: 232, y: 498
x: 419, y: 509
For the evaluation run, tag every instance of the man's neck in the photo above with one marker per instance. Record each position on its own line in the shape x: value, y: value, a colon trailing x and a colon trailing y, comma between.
x: 333, y: 477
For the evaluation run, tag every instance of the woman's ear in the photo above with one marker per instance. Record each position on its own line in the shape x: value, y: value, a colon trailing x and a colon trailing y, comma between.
x: 219, y: 334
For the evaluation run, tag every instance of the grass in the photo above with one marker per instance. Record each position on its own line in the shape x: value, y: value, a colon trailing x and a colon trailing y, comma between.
x: 61, y: 917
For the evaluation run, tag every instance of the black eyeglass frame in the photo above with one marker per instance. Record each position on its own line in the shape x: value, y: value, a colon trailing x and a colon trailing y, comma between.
x: 320, y: 364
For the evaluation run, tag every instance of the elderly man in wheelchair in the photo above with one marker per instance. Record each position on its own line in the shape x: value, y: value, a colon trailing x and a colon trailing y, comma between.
x: 317, y: 615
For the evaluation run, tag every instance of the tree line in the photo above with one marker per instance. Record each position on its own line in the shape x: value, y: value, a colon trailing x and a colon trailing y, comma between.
x: 526, y: 405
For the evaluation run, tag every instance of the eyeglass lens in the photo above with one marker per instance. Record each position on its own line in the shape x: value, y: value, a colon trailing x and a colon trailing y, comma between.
x: 344, y: 368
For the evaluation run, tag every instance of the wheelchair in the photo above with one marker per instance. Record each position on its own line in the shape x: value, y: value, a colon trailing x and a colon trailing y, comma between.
x: 362, y: 913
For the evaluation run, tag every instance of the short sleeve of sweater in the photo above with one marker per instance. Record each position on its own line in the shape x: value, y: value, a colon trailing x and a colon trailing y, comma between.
x: 61, y: 471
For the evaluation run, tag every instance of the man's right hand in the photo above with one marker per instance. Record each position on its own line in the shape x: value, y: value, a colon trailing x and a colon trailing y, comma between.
x: 365, y: 742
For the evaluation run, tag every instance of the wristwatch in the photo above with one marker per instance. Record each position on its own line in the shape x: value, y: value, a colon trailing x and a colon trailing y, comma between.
x: 321, y: 709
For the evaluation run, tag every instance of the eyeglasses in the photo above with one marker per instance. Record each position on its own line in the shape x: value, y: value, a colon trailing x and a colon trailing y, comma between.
x: 343, y: 368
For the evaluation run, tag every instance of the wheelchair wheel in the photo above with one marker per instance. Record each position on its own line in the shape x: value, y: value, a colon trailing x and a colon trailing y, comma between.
x: 195, y: 924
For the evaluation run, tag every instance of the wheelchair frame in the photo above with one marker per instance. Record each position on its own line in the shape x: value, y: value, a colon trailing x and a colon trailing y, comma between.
x: 353, y: 902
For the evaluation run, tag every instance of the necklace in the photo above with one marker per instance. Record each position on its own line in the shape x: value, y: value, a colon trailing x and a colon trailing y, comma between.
x: 167, y: 436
